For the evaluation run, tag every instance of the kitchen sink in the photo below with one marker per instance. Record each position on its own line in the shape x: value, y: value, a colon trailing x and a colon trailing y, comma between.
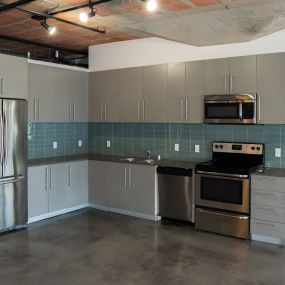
x: 128, y: 159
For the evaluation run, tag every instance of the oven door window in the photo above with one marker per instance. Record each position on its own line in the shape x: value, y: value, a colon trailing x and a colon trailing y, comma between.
x: 222, y: 110
x: 222, y: 190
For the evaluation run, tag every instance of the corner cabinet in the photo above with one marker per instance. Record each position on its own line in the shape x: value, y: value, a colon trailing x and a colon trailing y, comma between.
x: 131, y: 191
x: 235, y: 75
x: 56, y: 94
x: 13, y: 77
x: 57, y: 188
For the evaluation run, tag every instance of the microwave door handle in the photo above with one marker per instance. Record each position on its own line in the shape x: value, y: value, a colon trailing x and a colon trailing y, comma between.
x: 240, y: 111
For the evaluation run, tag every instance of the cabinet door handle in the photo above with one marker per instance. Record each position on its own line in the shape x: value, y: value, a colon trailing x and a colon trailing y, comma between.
x: 35, y: 107
x: 101, y: 109
x: 38, y: 109
x: 50, y: 178
x: 231, y: 83
x: 143, y: 111
x: 181, y: 108
x: 186, y: 108
x: 126, y: 186
x: 105, y: 110
x: 2, y: 86
x: 139, y: 109
x: 130, y: 177
x: 73, y: 110
x: 226, y: 83
x: 69, y: 175
x: 258, y: 107
x: 69, y: 111
x: 46, y: 179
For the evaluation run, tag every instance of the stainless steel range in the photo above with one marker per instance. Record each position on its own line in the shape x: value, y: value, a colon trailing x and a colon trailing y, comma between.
x: 222, y: 188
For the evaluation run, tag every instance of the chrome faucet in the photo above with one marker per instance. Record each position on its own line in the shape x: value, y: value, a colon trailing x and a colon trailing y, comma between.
x: 148, y: 153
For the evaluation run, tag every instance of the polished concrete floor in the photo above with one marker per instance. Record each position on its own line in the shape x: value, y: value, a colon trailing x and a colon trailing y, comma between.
x: 92, y: 247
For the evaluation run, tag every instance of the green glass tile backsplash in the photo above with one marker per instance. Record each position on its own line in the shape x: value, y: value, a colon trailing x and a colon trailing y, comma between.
x: 129, y: 139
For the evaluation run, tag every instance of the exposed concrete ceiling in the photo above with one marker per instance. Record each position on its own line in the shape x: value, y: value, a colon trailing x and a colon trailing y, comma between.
x: 195, y: 22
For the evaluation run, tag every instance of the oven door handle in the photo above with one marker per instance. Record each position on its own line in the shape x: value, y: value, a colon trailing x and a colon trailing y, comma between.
x: 222, y: 174
x: 223, y: 214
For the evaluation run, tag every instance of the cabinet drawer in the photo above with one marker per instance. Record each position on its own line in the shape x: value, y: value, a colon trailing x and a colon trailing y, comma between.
x: 266, y: 198
x: 268, y: 214
x: 268, y: 183
x: 267, y: 228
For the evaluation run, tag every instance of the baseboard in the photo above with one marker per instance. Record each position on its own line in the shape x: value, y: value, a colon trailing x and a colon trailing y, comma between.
x: 267, y: 239
x: 56, y: 213
x: 135, y: 214
x: 98, y: 207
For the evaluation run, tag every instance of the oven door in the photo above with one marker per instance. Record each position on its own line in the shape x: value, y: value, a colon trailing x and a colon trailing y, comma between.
x: 230, y: 112
x: 222, y: 192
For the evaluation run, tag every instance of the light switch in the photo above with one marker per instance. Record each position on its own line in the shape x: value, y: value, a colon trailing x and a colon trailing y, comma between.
x: 277, y: 152
x: 79, y: 143
x: 176, y: 147
x: 54, y: 145
x: 197, y: 148
x: 108, y: 143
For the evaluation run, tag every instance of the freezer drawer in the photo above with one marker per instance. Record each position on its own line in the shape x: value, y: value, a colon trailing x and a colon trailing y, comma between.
x: 13, y: 205
x: 222, y: 223
x: 175, y: 194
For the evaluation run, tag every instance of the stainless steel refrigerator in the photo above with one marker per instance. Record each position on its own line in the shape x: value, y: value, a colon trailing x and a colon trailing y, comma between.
x: 13, y: 164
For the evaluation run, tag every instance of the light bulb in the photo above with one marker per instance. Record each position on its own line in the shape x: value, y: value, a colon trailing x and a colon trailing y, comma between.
x: 83, y: 17
x: 51, y: 30
x: 151, y: 5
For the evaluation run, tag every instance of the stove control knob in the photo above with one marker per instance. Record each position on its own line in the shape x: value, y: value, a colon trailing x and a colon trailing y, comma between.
x: 253, y: 148
x: 258, y: 148
x: 221, y: 146
x: 216, y: 146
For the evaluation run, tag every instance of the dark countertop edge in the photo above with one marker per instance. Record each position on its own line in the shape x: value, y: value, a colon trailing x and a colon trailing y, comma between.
x: 271, y: 172
x: 109, y: 158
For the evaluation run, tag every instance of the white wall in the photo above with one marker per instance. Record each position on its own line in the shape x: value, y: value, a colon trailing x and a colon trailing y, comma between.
x: 156, y: 51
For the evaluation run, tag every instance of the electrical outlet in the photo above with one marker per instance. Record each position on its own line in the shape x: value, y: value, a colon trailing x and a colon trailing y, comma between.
x: 79, y: 143
x: 108, y: 144
x: 176, y: 147
x: 197, y: 148
x: 277, y: 152
x: 54, y: 145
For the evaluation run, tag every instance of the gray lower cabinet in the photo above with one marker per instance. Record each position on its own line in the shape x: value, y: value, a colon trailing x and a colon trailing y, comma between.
x: 57, y: 187
x: 132, y: 187
x: 78, y: 183
x: 271, y: 86
x: 37, y: 191
x: 13, y: 77
x: 268, y: 206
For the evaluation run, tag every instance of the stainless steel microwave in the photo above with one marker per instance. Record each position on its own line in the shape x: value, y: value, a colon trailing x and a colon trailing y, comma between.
x: 231, y: 109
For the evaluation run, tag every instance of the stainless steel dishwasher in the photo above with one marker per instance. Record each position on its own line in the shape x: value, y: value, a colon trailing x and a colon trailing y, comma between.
x: 175, y: 193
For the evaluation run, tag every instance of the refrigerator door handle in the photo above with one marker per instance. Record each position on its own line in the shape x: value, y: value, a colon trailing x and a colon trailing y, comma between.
x: 5, y: 145
x: 1, y: 139
x: 12, y: 179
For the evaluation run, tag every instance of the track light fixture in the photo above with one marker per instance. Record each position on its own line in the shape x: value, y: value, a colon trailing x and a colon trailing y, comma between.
x: 51, y: 29
x: 151, y: 5
x: 85, y: 16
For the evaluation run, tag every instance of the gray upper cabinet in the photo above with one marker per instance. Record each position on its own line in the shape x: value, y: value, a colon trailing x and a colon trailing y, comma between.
x: 123, y: 100
x: 195, y: 90
x: 176, y: 93
x: 270, y: 87
x: 243, y: 74
x: 230, y: 76
x: 98, y: 89
x: 13, y: 77
x: 154, y: 90
x: 41, y: 96
x: 217, y: 76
